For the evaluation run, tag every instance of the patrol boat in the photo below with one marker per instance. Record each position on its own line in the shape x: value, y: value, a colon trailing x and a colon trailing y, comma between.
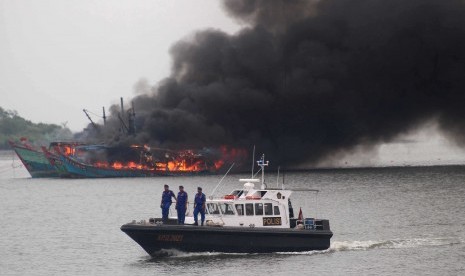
x: 248, y: 220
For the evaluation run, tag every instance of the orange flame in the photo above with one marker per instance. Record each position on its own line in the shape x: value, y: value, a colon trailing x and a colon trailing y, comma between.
x: 219, y: 164
x: 101, y: 164
x: 182, y: 161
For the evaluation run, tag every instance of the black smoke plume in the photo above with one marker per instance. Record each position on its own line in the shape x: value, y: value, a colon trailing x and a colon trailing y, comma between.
x: 306, y: 79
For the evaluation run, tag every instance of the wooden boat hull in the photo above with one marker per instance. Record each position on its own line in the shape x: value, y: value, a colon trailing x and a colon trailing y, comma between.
x: 76, y: 169
x: 55, y: 161
x: 34, y: 161
x: 188, y: 238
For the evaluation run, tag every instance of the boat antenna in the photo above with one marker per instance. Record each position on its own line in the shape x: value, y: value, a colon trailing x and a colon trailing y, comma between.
x: 211, y: 195
x: 253, y: 159
x: 262, y: 164
x: 283, y: 181
x: 277, y: 178
x: 316, y: 205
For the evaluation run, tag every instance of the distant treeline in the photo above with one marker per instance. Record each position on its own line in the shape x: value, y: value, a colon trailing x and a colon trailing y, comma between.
x: 13, y: 127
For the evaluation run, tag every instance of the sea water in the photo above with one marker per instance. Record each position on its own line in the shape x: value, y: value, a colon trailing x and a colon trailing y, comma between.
x: 386, y: 221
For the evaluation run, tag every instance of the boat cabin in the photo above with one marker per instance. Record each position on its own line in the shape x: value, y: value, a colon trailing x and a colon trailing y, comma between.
x: 252, y: 208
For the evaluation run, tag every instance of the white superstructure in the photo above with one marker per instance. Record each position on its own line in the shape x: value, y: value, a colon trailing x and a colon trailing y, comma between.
x: 251, y: 207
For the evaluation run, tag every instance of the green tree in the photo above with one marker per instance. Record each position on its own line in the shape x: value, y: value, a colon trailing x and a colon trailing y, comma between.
x: 13, y: 126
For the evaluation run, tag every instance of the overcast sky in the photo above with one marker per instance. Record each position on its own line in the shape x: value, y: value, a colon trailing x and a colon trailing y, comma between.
x: 58, y: 57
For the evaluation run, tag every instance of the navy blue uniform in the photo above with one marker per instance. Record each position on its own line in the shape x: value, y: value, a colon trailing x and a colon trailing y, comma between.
x: 181, y: 206
x: 166, y: 203
x: 199, y: 201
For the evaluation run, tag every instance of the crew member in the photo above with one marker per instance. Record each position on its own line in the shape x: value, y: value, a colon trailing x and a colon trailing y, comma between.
x: 181, y: 205
x: 199, y: 206
x: 166, y: 202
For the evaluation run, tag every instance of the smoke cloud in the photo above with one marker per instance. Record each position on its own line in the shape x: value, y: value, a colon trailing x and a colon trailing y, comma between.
x: 304, y: 80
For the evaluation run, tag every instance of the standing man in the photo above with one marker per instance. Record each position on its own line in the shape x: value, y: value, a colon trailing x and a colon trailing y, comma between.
x: 166, y: 202
x: 199, y: 206
x: 181, y: 205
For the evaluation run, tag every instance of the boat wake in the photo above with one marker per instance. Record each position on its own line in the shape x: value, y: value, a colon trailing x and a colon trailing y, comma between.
x: 393, y: 244
x: 336, y: 246
x: 173, y: 253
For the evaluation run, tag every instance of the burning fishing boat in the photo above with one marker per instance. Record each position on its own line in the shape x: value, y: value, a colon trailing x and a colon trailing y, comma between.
x: 100, y: 161
x: 80, y: 160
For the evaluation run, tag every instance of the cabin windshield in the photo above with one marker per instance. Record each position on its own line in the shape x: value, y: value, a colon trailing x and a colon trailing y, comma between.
x: 213, y: 209
x: 237, y: 193
x: 227, y: 209
x: 255, y: 195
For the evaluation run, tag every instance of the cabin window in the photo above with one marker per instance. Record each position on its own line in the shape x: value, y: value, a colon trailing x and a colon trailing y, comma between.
x: 268, y: 209
x: 213, y: 208
x: 240, y: 209
x: 276, y: 210
x: 259, y: 209
x: 249, y: 209
x: 227, y: 209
